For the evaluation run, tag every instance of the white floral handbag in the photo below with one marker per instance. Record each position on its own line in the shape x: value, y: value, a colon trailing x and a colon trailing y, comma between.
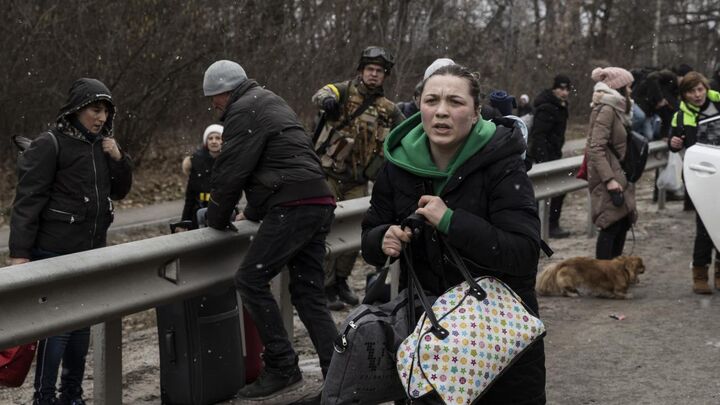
x: 467, y: 339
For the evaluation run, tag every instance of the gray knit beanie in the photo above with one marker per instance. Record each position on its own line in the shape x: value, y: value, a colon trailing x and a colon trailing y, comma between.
x: 223, y: 76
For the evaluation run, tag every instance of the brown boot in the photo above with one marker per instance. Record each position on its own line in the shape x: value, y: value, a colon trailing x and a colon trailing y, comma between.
x: 717, y: 276
x: 700, y: 280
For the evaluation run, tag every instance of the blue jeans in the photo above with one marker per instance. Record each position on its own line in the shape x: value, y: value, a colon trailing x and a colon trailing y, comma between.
x: 648, y: 126
x: 71, y: 348
x: 292, y: 236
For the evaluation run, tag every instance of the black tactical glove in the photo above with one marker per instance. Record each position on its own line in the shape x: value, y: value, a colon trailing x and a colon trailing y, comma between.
x: 331, y: 107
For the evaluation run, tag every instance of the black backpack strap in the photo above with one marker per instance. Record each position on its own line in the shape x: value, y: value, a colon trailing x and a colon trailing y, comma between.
x: 546, y: 248
x: 55, y: 142
x: 680, y: 122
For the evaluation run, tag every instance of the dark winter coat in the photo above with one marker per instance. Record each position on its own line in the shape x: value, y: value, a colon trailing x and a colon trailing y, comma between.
x: 524, y: 110
x: 715, y: 80
x: 658, y: 85
x: 197, y: 192
x: 408, y: 108
x: 547, y: 135
x: 494, y: 225
x: 266, y: 153
x: 63, y: 197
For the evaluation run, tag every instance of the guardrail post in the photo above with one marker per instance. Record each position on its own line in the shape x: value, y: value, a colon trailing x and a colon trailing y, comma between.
x: 590, y: 226
x: 662, y: 197
x: 107, y: 370
x: 544, y: 211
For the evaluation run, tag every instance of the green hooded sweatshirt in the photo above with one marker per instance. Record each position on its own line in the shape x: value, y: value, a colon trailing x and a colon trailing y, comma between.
x: 408, y: 147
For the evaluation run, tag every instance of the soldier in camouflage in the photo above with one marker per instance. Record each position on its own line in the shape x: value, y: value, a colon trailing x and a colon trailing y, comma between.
x: 355, y: 121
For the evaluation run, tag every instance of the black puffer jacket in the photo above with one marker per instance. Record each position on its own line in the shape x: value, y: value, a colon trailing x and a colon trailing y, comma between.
x: 547, y: 135
x: 62, y: 202
x: 266, y: 153
x: 197, y: 192
x: 494, y: 224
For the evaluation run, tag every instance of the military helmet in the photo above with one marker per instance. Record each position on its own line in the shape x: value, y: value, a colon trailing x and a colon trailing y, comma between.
x: 376, y: 55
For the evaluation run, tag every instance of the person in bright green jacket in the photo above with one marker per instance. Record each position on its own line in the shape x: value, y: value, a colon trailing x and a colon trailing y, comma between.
x: 698, y: 121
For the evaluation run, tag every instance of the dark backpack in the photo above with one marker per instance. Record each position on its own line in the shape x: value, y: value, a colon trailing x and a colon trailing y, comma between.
x: 636, y: 155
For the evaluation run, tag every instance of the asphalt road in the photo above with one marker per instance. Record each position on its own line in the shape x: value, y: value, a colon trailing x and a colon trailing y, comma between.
x: 125, y: 219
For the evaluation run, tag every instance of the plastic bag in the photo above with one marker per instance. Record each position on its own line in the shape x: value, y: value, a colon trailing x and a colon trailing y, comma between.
x: 670, y: 177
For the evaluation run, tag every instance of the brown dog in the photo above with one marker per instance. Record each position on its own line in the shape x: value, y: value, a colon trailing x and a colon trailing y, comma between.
x: 603, y: 278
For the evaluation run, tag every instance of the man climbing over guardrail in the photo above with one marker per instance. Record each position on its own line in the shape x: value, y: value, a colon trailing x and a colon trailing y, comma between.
x: 267, y: 154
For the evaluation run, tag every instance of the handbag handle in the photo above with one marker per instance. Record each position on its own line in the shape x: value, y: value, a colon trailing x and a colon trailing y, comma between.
x: 413, y: 281
x: 475, y: 288
x: 416, y: 222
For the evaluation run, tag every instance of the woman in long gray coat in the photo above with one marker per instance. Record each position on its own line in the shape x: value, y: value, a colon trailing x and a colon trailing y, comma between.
x: 612, y: 197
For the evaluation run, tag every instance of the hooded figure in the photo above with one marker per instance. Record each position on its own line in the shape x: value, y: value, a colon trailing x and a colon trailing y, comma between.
x: 66, y: 180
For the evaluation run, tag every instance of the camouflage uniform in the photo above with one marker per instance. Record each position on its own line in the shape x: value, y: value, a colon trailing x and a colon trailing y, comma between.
x: 352, y: 155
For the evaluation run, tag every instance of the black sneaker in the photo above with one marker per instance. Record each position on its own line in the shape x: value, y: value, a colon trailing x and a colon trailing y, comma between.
x: 67, y: 401
x: 344, y: 292
x: 558, y: 233
x: 70, y: 396
x: 44, y: 401
x: 270, y: 384
x: 333, y: 302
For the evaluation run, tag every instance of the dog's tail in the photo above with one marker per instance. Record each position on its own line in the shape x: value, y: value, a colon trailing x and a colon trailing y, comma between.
x: 546, y: 284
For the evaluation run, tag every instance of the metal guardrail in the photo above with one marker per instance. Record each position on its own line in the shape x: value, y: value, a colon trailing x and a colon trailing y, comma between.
x: 556, y: 178
x: 44, y: 298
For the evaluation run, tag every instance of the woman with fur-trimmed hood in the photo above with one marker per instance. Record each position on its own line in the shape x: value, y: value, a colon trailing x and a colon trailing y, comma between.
x: 612, y: 197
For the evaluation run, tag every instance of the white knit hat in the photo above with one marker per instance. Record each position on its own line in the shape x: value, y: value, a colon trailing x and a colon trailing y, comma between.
x: 211, y: 129
x: 437, y: 64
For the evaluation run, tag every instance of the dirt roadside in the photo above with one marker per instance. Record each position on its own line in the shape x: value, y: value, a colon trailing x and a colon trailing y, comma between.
x: 665, y: 351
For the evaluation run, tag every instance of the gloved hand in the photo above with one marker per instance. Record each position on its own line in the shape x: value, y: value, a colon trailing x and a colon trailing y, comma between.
x: 216, y: 219
x: 618, y: 199
x: 331, y: 107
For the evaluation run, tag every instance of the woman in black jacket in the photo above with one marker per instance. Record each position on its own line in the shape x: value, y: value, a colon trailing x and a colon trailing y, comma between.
x: 66, y: 180
x: 467, y: 178
x: 198, y: 168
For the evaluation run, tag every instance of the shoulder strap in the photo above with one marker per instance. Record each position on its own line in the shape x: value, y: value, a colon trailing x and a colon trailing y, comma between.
x: 367, y: 102
x: 680, y: 122
x: 55, y: 142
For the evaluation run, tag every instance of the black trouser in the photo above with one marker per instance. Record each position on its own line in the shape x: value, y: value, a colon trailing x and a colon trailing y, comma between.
x: 611, y: 240
x: 702, y: 250
x: 556, y: 204
x: 70, y: 347
x: 292, y: 236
